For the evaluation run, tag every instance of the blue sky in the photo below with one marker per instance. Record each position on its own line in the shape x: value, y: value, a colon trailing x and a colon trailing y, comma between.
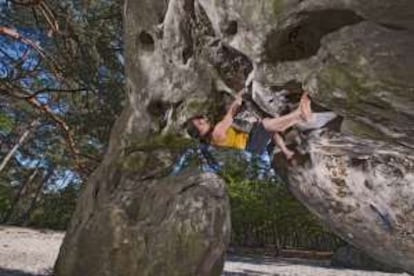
x: 16, y: 50
x: 11, y: 52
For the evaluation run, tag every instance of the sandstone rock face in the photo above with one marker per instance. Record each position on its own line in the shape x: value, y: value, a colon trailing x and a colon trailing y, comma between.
x: 175, y: 226
x: 133, y: 218
x: 362, y: 190
x: 354, y: 58
x: 184, y: 57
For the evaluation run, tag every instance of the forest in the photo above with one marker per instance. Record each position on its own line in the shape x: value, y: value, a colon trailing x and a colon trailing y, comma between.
x: 61, y: 90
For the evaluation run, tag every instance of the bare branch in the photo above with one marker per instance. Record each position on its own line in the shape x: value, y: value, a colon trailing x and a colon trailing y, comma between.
x: 48, y: 111
x: 54, y: 90
x: 26, y: 3
x: 21, y: 140
x: 15, y: 35
x: 44, y: 9
x: 49, y: 16
x: 64, y: 126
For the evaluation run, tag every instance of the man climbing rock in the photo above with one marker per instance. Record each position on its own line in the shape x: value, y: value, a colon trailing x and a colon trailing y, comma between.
x: 223, y: 134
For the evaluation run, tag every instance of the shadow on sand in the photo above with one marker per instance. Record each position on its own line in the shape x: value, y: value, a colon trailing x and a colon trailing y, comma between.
x: 14, y: 272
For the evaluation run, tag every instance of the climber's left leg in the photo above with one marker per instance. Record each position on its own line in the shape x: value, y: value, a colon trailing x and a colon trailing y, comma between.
x: 302, y: 114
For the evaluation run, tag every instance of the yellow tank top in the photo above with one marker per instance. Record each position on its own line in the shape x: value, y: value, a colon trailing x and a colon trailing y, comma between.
x: 234, y: 139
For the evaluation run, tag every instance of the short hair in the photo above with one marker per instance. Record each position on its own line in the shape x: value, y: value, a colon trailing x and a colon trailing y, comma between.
x: 191, y: 129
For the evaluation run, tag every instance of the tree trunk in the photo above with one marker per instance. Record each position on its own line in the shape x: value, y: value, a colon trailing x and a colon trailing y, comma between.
x: 21, y: 140
x: 20, y: 192
x: 25, y: 218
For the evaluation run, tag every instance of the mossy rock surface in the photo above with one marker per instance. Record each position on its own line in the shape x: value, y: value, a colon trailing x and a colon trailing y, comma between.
x: 354, y: 58
x: 176, y: 226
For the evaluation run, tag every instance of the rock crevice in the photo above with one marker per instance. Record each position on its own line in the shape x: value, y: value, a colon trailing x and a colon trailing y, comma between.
x: 184, y: 57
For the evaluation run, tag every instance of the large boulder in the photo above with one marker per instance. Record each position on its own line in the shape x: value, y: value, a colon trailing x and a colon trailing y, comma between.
x: 133, y: 217
x: 184, y: 57
x: 361, y: 189
x: 175, y: 226
x: 355, y: 58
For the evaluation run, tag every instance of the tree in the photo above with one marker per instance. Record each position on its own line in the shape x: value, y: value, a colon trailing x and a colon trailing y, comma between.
x: 67, y: 68
x: 61, y: 66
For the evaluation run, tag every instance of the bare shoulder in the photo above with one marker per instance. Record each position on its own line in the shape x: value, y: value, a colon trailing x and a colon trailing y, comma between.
x: 219, y: 133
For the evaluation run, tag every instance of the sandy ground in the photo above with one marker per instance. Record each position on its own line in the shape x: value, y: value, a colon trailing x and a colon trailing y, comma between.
x: 27, y: 252
x: 241, y: 266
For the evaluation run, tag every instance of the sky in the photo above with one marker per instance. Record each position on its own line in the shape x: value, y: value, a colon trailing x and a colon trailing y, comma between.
x: 11, y: 51
x: 15, y: 50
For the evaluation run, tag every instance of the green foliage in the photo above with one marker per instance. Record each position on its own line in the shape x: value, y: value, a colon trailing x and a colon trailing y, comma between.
x: 277, y: 7
x: 6, y: 123
x: 6, y: 194
x: 168, y: 141
x: 56, y: 209
x: 263, y: 212
x: 79, y: 80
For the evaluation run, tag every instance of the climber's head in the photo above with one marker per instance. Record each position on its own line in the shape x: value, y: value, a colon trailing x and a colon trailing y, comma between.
x: 199, y: 126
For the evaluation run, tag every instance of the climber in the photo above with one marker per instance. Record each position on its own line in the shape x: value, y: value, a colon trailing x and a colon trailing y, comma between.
x: 223, y: 134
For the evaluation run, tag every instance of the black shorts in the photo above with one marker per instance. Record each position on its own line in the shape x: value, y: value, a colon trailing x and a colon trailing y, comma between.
x: 259, y: 139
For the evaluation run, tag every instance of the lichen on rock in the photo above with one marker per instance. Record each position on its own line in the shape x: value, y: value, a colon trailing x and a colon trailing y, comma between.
x: 184, y: 57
